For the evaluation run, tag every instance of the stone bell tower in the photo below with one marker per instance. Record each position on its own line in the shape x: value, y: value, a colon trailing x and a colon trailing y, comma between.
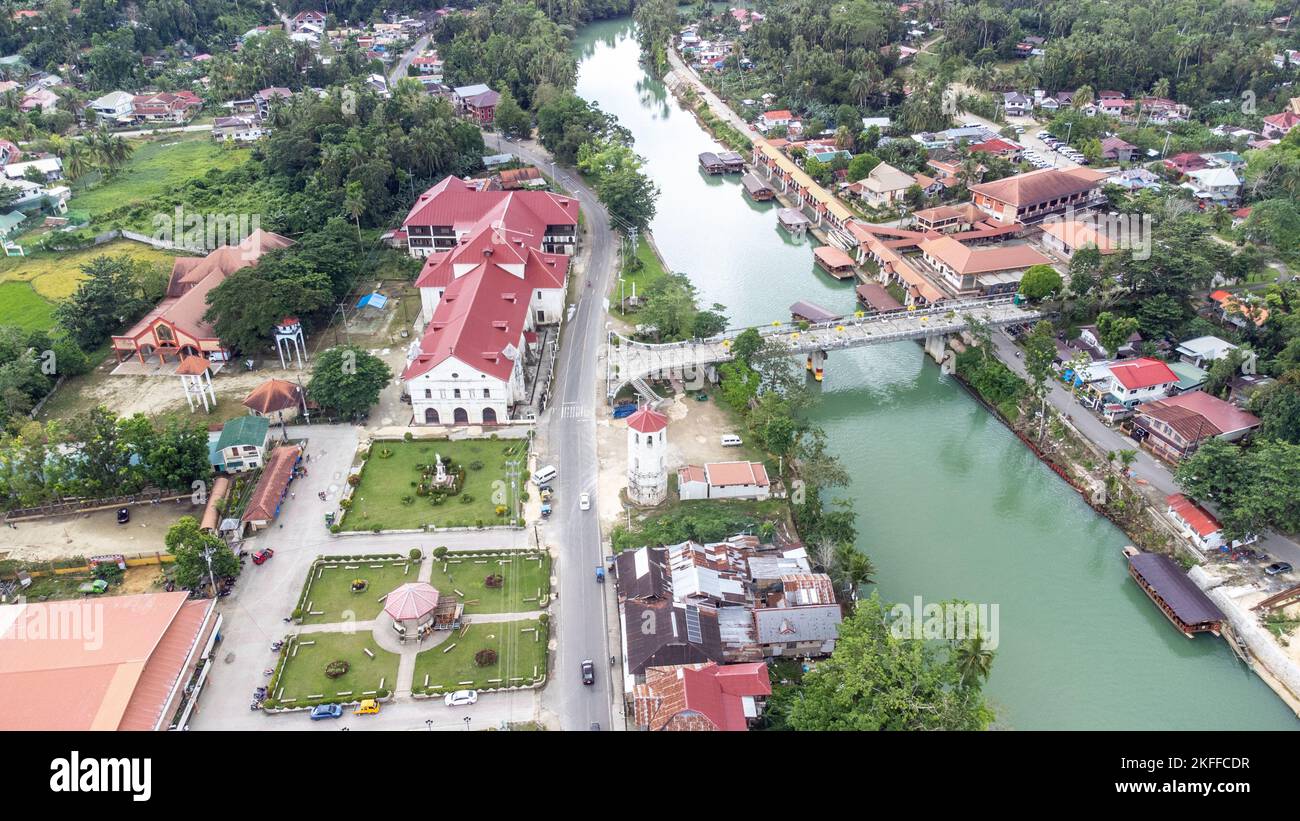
x: 647, y: 462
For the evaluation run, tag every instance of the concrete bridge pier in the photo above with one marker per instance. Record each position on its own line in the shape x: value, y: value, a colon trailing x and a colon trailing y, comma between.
x: 816, y: 364
x: 936, y: 346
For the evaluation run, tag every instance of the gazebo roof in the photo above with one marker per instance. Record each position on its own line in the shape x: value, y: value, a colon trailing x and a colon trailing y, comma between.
x: 413, y: 600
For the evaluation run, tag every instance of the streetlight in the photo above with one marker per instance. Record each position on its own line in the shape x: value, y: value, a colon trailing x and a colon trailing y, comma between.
x: 467, y: 724
x: 428, y: 722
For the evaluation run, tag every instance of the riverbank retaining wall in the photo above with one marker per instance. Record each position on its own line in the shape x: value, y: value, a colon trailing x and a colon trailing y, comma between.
x: 1284, y: 670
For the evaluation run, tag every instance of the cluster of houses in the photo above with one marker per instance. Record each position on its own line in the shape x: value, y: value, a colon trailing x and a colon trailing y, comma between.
x: 379, y: 41
x: 38, y: 181
x: 35, y: 90
x: 698, y: 622
x: 121, y: 109
x: 1144, y: 109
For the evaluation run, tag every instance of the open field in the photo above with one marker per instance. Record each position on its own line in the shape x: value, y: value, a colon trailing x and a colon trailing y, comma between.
x: 521, y: 657
x: 524, y: 580
x: 304, y: 676
x: 55, y: 276
x: 155, y: 166
x: 386, y: 495
x: 330, y: 598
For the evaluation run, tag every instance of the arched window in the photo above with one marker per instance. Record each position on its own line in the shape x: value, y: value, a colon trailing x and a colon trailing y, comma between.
x: 430, y: 416
x: 460, y: 416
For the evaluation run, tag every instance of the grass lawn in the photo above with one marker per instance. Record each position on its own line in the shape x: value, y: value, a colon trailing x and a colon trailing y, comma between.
x: 155, y: 166
x: 21, y: 306
x: 331, y: 593
x: 522, y: 578
x: 378, y: 499
x: 519, y: 655
x: 651, y: 271
x: 304, y: 676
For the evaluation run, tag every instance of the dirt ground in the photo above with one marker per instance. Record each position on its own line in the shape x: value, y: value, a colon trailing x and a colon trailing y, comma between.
x: 694, y: 433
x: 93, y: 534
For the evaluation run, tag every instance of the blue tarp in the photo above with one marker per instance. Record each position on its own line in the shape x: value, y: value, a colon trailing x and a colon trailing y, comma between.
x: 375, y: 300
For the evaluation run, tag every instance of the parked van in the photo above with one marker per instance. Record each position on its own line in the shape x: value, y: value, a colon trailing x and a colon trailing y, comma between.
x: 731, y: 440
x: 544, y: 475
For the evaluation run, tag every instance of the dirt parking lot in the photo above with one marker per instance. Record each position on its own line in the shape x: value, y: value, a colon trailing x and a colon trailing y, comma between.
x: 695, y: 430
x: 93, y: 534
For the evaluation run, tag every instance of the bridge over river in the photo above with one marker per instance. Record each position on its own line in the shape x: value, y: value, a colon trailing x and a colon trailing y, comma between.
x: 631, y: 362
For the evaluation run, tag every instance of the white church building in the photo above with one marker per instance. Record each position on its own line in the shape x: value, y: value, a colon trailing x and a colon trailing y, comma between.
x: 493, y: 276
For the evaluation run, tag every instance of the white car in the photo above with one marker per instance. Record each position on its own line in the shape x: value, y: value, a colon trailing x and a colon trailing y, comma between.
x: 584, y: 501
x: 461, y: 698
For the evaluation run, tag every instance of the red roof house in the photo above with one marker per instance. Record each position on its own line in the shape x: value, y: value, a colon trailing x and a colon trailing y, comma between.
x: 701, y: 697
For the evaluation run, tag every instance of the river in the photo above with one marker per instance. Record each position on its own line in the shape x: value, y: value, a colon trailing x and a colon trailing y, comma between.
x: 950, y: 504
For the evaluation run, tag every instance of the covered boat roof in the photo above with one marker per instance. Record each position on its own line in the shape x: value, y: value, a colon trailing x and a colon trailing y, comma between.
x: 1188, y: 602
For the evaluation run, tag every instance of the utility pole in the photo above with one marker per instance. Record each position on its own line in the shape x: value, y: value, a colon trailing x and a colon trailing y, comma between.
x: 512, y: 500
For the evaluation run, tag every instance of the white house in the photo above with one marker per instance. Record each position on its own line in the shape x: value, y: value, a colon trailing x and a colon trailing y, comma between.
x: 1204, y: 349
x: 724, y: 480
x: 114, y: 105
x: 1198, y: 525
x: 1140, y: 380
x: 1218, y: 185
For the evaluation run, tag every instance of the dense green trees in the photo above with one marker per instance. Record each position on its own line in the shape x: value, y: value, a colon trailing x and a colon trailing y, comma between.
x: 508, y: 45
x: 96, y: 454
x: 114, y: 292
x: 348, y: 379
x: 1253, y: 488
x: 1040, y: 282
x: 882, y: 678
x: 201, y: 557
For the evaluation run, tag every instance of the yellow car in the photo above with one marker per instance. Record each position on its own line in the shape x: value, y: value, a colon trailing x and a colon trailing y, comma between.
x: 366, y: 707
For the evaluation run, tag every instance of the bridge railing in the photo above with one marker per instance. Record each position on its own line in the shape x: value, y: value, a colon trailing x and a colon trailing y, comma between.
x: 943, y: 309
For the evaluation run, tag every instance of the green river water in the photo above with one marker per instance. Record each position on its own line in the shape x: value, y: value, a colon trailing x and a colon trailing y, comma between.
x: 950, y: 504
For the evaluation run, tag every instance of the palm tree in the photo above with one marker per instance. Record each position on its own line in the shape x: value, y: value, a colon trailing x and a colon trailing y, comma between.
x: 354, y: 202
x: 974, y: 661
x: 850, y: 569
x: 861, y: 85
x: 76, y: 158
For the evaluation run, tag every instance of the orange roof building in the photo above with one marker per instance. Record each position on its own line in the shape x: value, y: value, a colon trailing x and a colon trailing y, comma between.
x: 969, y: 270
x: 1027, y: 198
x: 271, y: 488
x: 701, y: 697
x: 176, y: 327
x: 724, y: 480
x: 274, y: 396
x: 114, y: 663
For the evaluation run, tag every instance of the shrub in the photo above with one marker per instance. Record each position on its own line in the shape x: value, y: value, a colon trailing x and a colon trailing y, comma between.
x: 476, y: 465
x: 501, y: 510
x: 408, y: 499
x: 485, y: 657
x: 416, y: 554
x: 439, y: 552
x: 354, y: 479
x: 544, y: 618
x: 345, y: 503
x: 407, y: 436
x: 467, y: 498
x: 376, y: 528
x: 336, y: 669
x: 493, y: 580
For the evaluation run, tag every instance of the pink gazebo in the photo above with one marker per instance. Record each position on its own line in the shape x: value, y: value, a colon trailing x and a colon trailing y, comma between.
x: 412, y: 606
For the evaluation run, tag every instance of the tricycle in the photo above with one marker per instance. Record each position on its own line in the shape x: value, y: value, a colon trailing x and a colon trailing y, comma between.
x: 600, y: 575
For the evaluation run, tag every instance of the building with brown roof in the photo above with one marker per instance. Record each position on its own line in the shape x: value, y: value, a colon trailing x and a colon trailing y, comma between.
x: 1173, y: 428
x: 966, y: 270
x: 176, y: 327
x: 281, y: 397
x: 272, y: 486
x: 701, y: 697
x: 1028, y: 198
x: 117, y: 663
x: 1067, y: 236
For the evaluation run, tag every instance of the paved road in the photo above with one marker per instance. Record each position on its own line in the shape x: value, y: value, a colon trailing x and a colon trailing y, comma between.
x: 568, y: 441
x: 1147, y: 468
x: 399, y: 69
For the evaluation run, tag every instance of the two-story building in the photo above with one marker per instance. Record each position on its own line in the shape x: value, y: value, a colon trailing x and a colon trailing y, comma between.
x: 967, y: 270
x: 1028, y: 198
x: 1174, y: 427
x: 1140, y: 380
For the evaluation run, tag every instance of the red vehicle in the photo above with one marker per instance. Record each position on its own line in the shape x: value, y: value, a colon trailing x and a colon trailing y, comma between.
x: 262, y: 555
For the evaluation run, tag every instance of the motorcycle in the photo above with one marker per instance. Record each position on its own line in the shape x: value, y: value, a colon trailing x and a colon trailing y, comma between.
x: 276, y: 645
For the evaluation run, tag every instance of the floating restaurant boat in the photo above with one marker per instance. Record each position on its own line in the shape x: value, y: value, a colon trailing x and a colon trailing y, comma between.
x: 834, y: 261
x: 732, y: 163
x: 811, y: 312
x: 874, y: 298
x: 1174, y: 592
x: 793, y: 220
x: 711, y: 163
x: 757, y: 190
